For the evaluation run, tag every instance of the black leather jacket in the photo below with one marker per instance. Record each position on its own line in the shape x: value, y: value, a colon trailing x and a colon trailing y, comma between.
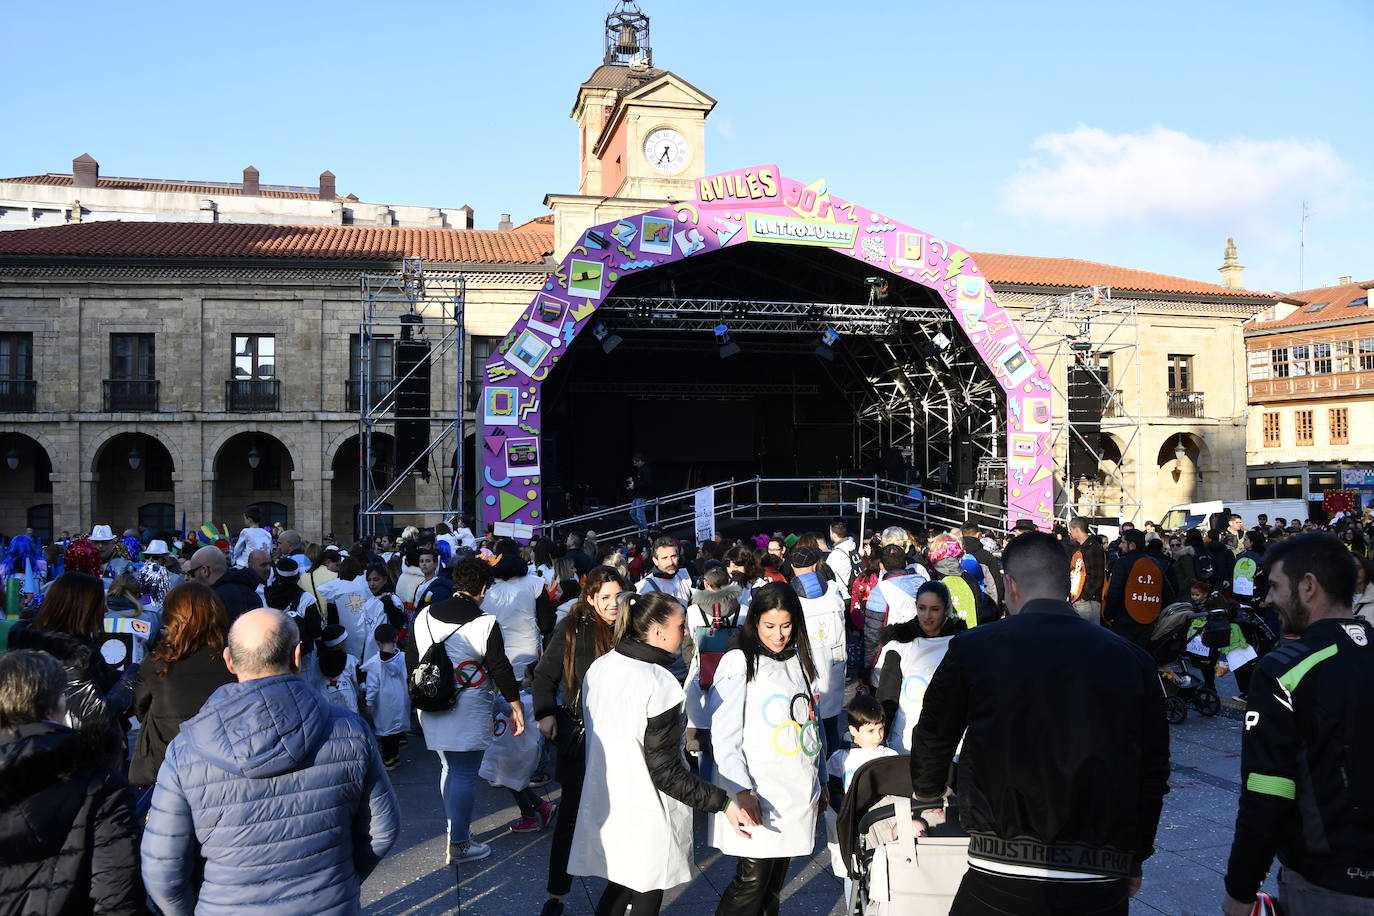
x: 96, y: 694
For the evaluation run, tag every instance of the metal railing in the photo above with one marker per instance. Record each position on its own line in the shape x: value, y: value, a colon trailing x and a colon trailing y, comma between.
x: 759, y: 498
x: 18, y: 395
x: 131, y: 394
x: 252, y: 395
x: 1185, y: 404
x: 380, y: 386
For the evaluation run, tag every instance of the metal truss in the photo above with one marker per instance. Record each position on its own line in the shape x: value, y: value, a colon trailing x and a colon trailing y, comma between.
x: 705, y: 391
x: 1090, y: 329
x: 647, y: 313
x: 407, y: 306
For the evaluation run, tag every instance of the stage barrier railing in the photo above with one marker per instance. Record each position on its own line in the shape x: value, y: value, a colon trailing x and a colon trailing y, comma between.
x: 759, y: 498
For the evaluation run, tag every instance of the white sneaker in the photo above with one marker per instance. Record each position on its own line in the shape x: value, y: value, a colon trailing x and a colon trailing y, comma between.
x: 470, y: 851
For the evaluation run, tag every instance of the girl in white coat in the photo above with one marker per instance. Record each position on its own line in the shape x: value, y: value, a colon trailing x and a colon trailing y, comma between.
x: 911, y: 653
x: 768, y: 748
x: 634, y: 824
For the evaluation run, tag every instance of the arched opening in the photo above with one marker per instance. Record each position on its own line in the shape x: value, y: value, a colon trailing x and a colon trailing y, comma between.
x: 132, y: 470
x: 25, y: 486
x: 343, y: 496
x: 1180, y: 465
x: 253, y: 468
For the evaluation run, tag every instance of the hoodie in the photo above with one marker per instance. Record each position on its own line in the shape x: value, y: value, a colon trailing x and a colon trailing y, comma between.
x: 282, y: 796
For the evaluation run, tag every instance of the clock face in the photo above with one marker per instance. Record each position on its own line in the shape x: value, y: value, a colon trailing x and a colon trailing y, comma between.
x: 666, y: 150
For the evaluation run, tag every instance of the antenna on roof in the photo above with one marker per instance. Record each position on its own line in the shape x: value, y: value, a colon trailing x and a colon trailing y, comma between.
x: 1302, y: 246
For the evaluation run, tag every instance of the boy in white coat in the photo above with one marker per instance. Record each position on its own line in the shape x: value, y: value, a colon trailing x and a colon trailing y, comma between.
x: 385, y: 696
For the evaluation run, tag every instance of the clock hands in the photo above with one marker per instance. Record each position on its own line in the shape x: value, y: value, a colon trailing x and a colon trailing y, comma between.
x: 666, y: 151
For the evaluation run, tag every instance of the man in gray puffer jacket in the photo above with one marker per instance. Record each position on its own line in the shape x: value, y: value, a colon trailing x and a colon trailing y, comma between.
x: 282, y: 795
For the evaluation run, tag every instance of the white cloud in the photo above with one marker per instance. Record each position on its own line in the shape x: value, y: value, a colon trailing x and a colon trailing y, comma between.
x: 1163, y: 177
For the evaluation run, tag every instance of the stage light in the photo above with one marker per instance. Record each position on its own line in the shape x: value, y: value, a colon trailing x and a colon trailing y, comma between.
x: 727, y: 346
x: 825, y: 345
x: 608, y: 340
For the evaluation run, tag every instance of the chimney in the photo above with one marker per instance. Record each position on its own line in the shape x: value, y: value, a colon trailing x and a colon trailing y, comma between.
x: 327, y: 191
x: 250, y: 183
x: 466, y: 220
x: 1345, y: 281
x: 505, y: 225
x: 85, y: 171
x: 1231, y: 268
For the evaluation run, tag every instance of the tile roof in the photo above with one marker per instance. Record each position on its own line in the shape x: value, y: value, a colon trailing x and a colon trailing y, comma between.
x: 620, y: 77
x: 1071, y: 273
x: 222, y: 189
x: 255, y: 240
x: 1338, y: 307
x: 538, y: 224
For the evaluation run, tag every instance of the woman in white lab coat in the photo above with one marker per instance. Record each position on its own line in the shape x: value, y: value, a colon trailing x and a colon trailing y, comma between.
x: 634, y: 823
x: 769, y: 749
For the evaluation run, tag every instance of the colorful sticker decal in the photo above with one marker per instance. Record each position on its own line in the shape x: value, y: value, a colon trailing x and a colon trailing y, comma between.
x: 743, y: 206
x: 656, y: 236
x: 499, y: 405
x: 528, y: 351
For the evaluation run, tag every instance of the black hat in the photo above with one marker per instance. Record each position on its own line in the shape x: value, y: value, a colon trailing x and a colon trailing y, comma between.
x: 804, y: 555
x: 1025, y: 524
x: 333, y: 635
x: 287, y: 567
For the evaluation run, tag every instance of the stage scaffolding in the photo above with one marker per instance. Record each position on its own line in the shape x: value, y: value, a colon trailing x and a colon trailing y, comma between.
x: 1089, y: 329
x: 916, y: 386
x: 401, y: 307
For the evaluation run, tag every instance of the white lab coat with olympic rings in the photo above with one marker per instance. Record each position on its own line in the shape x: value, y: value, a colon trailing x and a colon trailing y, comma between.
x: 825, y: 628
x: 765, y: 737
x: 919, y: 659
x: 467, y: 726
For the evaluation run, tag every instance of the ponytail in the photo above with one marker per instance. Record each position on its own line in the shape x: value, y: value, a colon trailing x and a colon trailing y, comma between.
x: 640, y: 613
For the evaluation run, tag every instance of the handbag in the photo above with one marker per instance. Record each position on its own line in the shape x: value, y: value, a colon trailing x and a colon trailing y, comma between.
x: 911, y: 875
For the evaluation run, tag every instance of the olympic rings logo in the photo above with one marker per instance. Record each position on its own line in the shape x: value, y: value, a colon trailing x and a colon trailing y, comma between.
x: 914, y: 688
x: 469, y: 674
x: 803, y: 735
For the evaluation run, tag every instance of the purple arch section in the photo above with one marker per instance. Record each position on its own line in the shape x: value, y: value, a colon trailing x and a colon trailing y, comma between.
x: 759, y: 205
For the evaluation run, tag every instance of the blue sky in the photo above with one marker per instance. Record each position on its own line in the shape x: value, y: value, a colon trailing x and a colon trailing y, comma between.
x: 1136, y: 134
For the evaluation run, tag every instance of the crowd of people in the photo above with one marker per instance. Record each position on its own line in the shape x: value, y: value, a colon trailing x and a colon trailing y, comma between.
x: 206, y: 725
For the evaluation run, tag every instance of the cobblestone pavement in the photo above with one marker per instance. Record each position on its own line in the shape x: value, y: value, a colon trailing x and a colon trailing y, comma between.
x: 1183, y: 878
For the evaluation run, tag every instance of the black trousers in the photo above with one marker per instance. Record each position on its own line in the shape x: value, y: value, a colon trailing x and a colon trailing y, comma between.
x: 616, y: 898
x: 389, y: 745
x: 570, y: 777
x: 756, y: 888
x: 984, y: 894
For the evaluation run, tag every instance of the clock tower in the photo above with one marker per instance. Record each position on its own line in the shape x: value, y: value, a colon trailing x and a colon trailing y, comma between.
x: 641, y: 130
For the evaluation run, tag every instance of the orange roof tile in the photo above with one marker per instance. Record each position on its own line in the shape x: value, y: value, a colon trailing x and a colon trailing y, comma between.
x: 230, y: 189
x: 538, y: 224
x: 1015, y: 269
x: 254, y: 240
x: 1338, y: 306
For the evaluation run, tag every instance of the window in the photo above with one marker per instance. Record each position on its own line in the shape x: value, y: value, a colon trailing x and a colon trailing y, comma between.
x: 132, y: 356
x: 1321, y: 359
x: 255, y: 356
x: 1299, y: 361
x: 157, y: 517
x: 1258, y: 365
x: 1302, y: 424
x: 1180, y: 372
x: 1345, y: 355
x: 382, y: 370
x: 1271, y: 430
x: 272, y: 513
x: 1316, y: 307
x: 1260, y: 488
x: 1278, y: 361
x: 16, y: 372
x: 1356, y: 303
x: 1288, y: 488
x: 1339, y: 419
x: 482, y: 348
x: 1367, y: 354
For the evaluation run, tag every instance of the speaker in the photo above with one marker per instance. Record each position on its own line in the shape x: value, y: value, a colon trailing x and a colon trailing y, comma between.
x: 412, y: 394
x: 1085, y: 417
x: 412, y: 437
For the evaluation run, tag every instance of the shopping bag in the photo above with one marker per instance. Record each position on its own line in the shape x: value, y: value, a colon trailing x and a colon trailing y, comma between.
x: 510, y: 759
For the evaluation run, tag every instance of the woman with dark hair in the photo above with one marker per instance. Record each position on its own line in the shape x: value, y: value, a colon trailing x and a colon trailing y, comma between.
x: 769, y: 749
x: 586, y: 634
x: 634, y: 822
x: 383, y: 588
x: 911, y: 652
x: 460, y: 736
x: 745, y: 571
x: 178, y: 676
x: 72, y: 613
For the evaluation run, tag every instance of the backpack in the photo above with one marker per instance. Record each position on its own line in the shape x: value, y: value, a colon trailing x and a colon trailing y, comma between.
x: 432, y: 687
x: 1206, y: 569
x: 1144, y: 595
x: 712, y: 643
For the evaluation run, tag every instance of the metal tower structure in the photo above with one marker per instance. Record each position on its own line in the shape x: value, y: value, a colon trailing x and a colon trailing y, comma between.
x: 408, y: 307
x: 1100, y: 336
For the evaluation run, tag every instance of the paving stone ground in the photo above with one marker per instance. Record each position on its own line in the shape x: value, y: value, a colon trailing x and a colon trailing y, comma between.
x: 1183, y: 878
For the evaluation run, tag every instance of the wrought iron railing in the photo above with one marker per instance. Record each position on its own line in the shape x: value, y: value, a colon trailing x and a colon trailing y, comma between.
x: 18, y: 395
x: 131, y: 394
x: 252, y: 395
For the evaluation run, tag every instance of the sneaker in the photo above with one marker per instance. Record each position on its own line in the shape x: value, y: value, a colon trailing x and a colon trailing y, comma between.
x: 538, y: 780
x: 531, y: 824
x: 1239, y: 698
x: 469, y: 851
x: 552, y: 907
x: 391, y: 762
x: 547, y: 812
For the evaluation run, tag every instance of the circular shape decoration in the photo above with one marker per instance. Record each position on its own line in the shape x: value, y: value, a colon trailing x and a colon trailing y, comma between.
x: 114, y: 651
x: 1016, y: 492
x: 491, y: 500
x: 486, y: 473
x: 531, y: 494
x: 767, y: 706
x: 914, y: 688
x: 612, y: 276
x: 786, y: 747
x: 534, y: 514
x: 667, y: 151
x: 469, y: 674
x: 526, y: 481
x: 810, y: 739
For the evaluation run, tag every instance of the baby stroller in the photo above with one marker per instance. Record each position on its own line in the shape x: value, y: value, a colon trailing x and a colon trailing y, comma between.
x: 1168, y: 645
x: 894, y: 872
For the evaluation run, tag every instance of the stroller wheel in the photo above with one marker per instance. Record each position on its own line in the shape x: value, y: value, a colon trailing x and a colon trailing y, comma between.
x: 1175, y: 710
x: 1206, y: 701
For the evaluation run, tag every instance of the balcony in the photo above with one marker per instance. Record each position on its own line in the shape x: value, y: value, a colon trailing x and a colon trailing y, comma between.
x: 1185, y: 404
x: 381, y: 388
x: 1111, y: 404
x: 18, y: 395
x: 252, y: 395
x: 131, y: 395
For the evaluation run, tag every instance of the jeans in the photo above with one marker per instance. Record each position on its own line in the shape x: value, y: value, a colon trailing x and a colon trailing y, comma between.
x: 458, y: 786
x: 1300, y: 897
x: 985, y: 894
x: 639, y: 515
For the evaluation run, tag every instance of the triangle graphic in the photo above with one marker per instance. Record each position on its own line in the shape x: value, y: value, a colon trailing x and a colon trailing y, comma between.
x: 726, y: 232
x: 1040, y: 474
x: 495, y: 443
x: 511, y: 504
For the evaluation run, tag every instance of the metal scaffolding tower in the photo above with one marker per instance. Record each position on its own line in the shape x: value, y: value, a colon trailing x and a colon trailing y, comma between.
x: 408, y: 308
x: 1099, y: 336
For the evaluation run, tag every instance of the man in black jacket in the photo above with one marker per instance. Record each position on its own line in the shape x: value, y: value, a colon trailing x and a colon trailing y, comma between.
x: 1137, y: 590
x: 1065, y: 759
x: 237, y: 588
x: 1307, y: 749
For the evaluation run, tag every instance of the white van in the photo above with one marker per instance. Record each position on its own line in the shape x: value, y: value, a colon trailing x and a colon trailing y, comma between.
x: 1207, y: 515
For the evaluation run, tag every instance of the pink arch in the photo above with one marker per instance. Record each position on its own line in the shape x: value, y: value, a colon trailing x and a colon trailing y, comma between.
x: 748, y: 205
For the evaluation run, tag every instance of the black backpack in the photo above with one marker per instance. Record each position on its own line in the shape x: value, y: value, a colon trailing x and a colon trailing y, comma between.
x: 432, y: 687
x: 1206, y: 568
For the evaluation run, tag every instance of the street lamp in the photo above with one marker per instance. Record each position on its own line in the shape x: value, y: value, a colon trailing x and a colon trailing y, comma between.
x: 135, y: 459
x: 12, y: 458
x: 1179, y: 453
x: 254, y: 459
